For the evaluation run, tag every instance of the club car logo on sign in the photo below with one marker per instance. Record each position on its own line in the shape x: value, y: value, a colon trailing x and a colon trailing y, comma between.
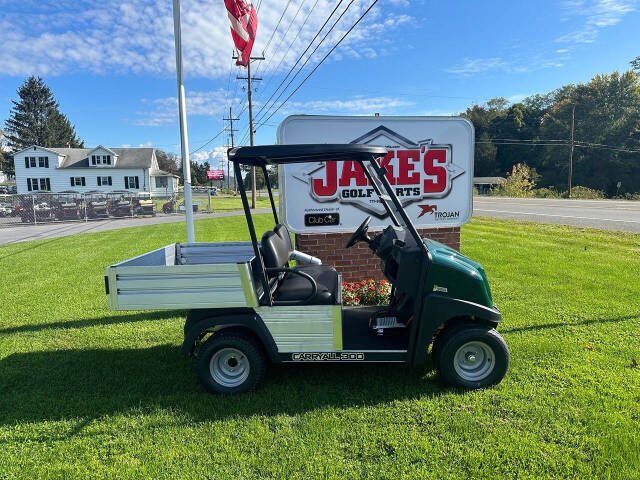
x: 415, y: 170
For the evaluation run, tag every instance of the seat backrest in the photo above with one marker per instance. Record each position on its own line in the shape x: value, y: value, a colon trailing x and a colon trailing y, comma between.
x: 275, y: 250
x: 283, y: 232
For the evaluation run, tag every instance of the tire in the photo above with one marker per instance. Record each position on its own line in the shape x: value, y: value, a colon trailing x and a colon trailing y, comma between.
x: 231, y: 363
x: 471, y: 357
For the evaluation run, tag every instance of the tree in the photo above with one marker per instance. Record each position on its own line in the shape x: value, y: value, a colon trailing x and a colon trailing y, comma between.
x: 635, y: 64
x: 36, y: 120
x: 168, y: 162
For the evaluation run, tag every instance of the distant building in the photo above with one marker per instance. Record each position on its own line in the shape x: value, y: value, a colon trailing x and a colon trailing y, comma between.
x: 39, y: 169
x: 485, y: 184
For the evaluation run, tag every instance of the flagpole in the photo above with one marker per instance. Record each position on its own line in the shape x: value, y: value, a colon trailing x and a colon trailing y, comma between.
x: 184, y: 138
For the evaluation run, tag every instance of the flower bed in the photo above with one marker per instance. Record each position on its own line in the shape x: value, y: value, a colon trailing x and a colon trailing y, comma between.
x: 366, y: 292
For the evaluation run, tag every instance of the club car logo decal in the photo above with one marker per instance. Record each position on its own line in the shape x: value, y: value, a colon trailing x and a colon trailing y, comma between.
x: 327, y: 357
x: 416, y: 171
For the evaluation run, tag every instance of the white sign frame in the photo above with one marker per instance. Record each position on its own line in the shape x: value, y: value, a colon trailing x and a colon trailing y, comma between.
x: 454, y: 135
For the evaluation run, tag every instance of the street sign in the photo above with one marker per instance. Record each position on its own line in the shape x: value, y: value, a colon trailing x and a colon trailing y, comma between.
x: 215, y: 174
x: 429, y: 165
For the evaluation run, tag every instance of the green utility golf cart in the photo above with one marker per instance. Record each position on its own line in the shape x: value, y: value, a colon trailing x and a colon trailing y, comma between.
x: 248, y: 306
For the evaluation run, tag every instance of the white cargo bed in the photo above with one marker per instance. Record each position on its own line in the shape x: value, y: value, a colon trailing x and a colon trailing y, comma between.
x: 184, y: 276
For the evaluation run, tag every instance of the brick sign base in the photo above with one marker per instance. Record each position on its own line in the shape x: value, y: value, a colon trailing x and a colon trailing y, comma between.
x: 358, y: 262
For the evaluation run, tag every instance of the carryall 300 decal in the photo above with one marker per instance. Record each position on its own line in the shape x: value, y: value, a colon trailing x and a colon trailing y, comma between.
x: 327, y: 357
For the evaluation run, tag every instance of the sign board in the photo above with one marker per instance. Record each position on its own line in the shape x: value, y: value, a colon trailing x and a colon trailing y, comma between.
x: 215, y: 174
x: 429, y: 165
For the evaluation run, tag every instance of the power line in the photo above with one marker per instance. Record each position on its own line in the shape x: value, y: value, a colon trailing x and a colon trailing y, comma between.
x: 302, y: 54
x: 276, y: 29
x: 275, y: 49
x: 321, y: 61
x: 210, y: 140
x: 308, y: 58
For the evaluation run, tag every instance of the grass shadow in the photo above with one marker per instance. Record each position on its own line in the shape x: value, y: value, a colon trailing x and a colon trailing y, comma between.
x: 544, y: 326
x: 98, y: 321
x: 80, y: 384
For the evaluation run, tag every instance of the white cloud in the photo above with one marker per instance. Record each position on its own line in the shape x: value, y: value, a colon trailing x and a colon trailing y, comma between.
x: 136, y: 36
x: 476, y: 65
x: 597, y: 14
x: 356, y: 105
x: 164, y: 111
x: 217, y: 157
x: 470, y: 66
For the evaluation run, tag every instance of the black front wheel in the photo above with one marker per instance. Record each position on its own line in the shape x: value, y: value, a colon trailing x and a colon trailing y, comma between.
x: 231, y: 363
x: 471, y: 357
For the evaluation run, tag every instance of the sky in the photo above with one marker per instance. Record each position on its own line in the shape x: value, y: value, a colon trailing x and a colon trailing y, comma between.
x: 111, y: 65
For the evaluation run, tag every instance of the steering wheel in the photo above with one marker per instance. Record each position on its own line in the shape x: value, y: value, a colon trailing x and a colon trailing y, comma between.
x: 360, y: 233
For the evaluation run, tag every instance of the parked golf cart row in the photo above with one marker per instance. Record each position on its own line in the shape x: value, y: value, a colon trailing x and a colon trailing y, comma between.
x: 75, y: 206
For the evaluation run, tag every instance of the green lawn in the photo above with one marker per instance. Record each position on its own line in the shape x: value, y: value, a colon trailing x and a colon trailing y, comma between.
x: 89, y: 393
x: 221, y: 204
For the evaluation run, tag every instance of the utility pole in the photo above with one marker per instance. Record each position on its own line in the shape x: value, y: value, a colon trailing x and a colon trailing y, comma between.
x: 231, y: 129
x: 573, y: 119
x: 250, y: 79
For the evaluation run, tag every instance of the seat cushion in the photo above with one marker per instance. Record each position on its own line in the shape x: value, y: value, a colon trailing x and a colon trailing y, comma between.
x: 324, y: 275
x: 296, y: 287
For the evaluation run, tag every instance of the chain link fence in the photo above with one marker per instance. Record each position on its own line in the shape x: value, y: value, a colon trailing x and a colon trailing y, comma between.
x: 40, y: 208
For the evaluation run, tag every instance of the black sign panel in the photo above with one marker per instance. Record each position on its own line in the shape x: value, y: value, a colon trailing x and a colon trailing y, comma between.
x: 321, y: 219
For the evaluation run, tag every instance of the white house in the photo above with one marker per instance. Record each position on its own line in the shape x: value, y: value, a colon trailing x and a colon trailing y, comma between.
x: 40, y: 169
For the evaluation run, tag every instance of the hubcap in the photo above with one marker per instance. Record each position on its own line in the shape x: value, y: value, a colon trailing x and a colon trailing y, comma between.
x: 474, y: 361
x: 229, y: 367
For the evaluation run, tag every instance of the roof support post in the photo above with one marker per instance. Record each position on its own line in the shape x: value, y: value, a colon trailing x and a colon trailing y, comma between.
x: 252, y: 232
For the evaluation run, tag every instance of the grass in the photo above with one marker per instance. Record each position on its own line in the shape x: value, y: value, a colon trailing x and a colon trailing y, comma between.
x: 85, y: 392
x: 221, y: 204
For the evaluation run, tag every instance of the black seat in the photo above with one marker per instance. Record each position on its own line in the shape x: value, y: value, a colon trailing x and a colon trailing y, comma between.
x: 296, y: 285
x: 316, y: 271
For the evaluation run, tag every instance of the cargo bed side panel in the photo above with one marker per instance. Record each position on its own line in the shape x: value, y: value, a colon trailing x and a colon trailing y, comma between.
x: 179, y: 287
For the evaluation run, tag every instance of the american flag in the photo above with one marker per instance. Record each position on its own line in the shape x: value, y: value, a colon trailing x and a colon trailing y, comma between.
x: 244, y: 24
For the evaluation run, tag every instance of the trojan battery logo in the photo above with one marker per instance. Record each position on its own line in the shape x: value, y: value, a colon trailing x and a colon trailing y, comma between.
x: 416, y: 171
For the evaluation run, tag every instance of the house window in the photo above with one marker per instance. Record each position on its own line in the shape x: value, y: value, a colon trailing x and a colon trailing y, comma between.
x: 78, y: 182
x: 45, y: 184
x: 32, y: 162
x: 34, y: 184
x: 108, y: 157
x: 93, y: 159
x: 43, y: 162
x: 104, y: 181
x: 131, y: 182
x: 161, y: 182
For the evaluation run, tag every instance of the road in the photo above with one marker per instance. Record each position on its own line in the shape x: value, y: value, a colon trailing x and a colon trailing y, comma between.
x: 605, y: 214
x: 52, y: 230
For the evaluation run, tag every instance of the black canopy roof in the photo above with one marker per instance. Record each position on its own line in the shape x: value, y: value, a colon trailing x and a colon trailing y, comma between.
x: 300, y: 153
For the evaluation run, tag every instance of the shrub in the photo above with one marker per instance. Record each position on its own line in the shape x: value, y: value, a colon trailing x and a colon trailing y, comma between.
x: 586, y: 193
x: 519, y: 183
x: 366, y: 292
x: 548, y: 193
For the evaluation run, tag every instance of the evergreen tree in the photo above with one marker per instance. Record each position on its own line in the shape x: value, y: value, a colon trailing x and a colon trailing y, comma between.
x: 36, y: 120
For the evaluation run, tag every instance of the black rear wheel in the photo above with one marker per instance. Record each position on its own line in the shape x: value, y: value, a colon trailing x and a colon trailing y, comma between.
x: 231, y: 363
x: 470, y: 357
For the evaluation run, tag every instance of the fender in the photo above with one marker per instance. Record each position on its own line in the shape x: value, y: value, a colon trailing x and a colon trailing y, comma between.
x: 438, y: 309
x: 200, y: 320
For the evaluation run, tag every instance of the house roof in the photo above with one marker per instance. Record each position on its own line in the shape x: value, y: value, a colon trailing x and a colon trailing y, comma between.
x: 488, y: 180
x: 127, y: 157
x: 162, y: 173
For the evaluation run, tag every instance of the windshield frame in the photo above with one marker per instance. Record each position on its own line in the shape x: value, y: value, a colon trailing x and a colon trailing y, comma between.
x: 389, y: 200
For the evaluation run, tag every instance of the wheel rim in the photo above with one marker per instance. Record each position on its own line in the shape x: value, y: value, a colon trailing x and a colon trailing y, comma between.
x: 229, y: 367
x: 474, y: 361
